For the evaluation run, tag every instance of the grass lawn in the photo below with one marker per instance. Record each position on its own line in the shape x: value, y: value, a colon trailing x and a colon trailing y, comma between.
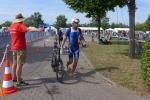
x: 113, y: 62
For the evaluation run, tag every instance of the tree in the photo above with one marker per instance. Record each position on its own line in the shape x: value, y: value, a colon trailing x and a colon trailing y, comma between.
x: 99, y: 8
x: 28, y: 21
x: 144, y: 26
x: 60, y: 21
x: 119, y: 25
x: 6, y: 24
x: 113, y: 25
x: 37, y: 19
x: 147, y: 23
x: 96, y: 9
x: 131, y: 4
x: 34, y: 20
x: 84, y: 25
x: 93, y: 23
x: 131, y: 7
x: 105, y: 23
x: 68, y: 25
x: 140, y: 27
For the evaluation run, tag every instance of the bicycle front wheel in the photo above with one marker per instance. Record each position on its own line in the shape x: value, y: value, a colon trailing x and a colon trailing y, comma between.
x: 60, y: 72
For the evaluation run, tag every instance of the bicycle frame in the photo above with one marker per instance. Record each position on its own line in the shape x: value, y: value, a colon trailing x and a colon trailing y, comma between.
x: 57, y: 63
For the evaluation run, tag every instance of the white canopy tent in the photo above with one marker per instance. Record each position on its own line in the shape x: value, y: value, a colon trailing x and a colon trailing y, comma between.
x: 121, y: 29
x: 90, y: 28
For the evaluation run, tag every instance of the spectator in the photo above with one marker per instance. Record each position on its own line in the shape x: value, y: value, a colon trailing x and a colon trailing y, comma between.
x: 19, y: 48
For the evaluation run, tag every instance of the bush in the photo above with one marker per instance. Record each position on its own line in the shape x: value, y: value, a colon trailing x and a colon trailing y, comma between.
x: 145, y: 64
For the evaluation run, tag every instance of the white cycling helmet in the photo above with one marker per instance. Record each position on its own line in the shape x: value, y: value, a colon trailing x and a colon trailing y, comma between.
x: 76, y: 20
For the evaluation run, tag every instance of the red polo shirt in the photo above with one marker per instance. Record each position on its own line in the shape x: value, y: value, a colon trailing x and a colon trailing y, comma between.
x: 18, y: 41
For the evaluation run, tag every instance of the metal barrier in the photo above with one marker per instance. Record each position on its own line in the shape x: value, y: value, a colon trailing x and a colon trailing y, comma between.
x: 4, y: 39
x: 30, y: 36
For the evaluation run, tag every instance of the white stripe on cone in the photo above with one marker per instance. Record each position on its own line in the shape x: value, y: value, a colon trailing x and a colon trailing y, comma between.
x: 7, y: 84
x: 7, y: 70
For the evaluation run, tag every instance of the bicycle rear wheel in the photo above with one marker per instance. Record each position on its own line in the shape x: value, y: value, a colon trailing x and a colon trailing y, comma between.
x: 60, y: 72
x: 54, y: 62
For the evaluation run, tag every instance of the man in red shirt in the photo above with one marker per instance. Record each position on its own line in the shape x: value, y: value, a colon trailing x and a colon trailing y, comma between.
x: 18, y: 46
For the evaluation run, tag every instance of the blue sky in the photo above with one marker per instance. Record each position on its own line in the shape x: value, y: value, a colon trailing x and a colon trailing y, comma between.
x: 50, y: 9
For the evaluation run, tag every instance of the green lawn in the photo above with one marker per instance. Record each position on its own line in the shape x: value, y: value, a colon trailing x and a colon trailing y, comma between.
x: 113, y: 62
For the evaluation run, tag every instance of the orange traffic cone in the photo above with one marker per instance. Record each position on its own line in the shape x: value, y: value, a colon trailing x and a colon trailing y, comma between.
x: 8, y: 86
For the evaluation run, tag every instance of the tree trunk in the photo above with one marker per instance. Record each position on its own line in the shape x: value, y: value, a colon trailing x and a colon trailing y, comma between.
x: 99, y: 26
x: 131, y: 8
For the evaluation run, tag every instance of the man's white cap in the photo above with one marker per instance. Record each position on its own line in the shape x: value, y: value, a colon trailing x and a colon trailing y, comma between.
x: 76, y: 20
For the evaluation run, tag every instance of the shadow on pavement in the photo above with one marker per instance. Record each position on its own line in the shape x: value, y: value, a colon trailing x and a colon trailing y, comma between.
x: 41, y: 81
x: 38, y: 54
x: 68, y: 79
x: 27, y: 88
x: 46, y: 82
x: 109, y: 69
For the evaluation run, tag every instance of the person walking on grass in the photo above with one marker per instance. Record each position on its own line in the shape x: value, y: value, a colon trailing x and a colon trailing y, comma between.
x: 18, y: 45
x: 73, y: 34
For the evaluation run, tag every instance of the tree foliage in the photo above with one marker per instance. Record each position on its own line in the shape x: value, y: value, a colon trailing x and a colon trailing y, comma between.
x: 96, y: 9
x: 93, y: 7
x: 34, y: 20
x: 147, y: 23
x: 105, y: 23
x: 93, y: 23
x: 144, y: 26
x: 6, y: 24
x: 28, y: 21
x: 118, y: 25
x: 37, y: 19
x: 60, y: 21
x: 99, y: 8
x: 140, y: 27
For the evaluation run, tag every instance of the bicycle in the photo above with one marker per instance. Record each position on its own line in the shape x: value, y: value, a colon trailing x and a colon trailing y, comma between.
x: 57, y: 63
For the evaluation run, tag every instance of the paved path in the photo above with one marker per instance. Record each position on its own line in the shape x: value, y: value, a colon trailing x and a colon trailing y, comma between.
x: 89, y: 85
